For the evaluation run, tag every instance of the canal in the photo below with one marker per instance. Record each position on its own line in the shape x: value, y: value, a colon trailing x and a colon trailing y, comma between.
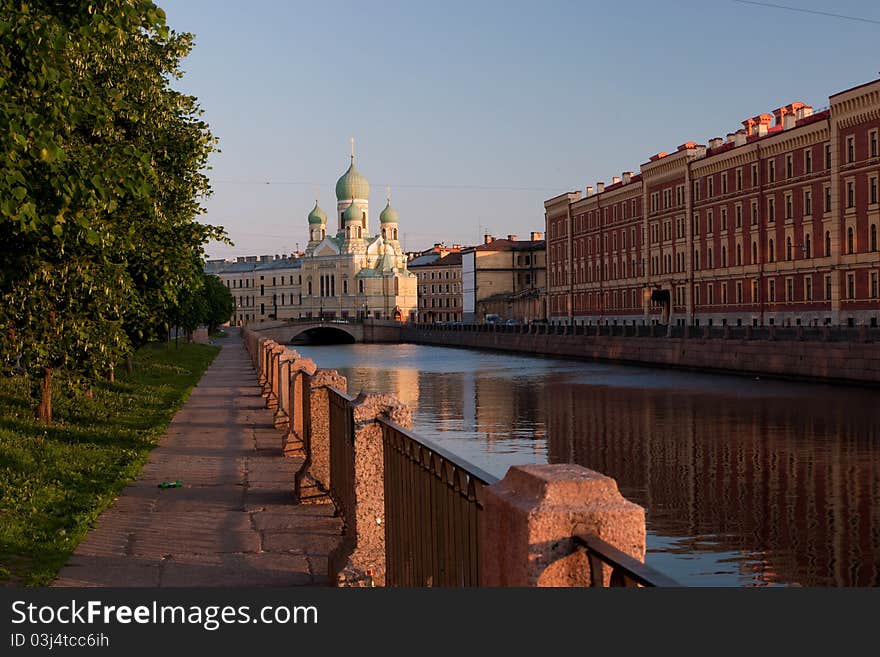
x: 746, y: 482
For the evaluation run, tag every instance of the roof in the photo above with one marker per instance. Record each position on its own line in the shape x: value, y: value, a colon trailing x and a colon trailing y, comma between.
x: 423, y: 260
x: 510, y: 245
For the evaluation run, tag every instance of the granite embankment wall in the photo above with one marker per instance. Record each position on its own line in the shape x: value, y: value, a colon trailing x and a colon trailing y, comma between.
x: 843, y: 361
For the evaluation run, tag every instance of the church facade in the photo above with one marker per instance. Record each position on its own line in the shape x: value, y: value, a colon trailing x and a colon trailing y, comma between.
x: 350, y: 271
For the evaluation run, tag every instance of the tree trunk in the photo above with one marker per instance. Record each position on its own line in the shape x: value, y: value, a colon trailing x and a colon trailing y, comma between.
x: 44, y: 410
x: 112, y: 377
x: 129, y: 364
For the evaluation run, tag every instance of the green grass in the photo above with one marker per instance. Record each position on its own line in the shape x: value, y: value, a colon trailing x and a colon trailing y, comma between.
x: 55, y: 481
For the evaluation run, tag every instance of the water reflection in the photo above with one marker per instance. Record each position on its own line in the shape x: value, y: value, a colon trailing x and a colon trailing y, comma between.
x: 746, y: 483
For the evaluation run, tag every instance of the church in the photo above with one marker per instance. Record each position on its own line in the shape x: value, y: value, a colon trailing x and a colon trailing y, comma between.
x: 351, y: 272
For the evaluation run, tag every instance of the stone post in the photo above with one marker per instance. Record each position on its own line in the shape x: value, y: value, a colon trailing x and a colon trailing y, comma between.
x: 260, y: 361
x: 282, y: 413
x: 530, y: 515
x: 293, y: 442
x: 363, y: 547
x: 312, y: 482
x: 274, y: 382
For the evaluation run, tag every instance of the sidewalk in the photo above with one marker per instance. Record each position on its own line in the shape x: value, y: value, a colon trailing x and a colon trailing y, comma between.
x: 233, y: 523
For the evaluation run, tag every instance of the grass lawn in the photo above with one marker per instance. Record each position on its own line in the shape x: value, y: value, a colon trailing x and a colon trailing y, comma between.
x: 55, y: 481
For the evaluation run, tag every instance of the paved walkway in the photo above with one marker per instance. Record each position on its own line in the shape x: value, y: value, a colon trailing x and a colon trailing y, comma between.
x: 233, y: 523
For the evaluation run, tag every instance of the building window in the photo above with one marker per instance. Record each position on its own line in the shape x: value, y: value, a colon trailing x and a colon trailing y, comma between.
x: 828, y: 199
x: 789, y: 289
x: 711, y: 190
x: 723, y: 183
x: 755, y: 289
x: 771, y: 210
x: 850, y: 194
x: 808, y: 161
x: 771, y: 251
x: 851, y: 286
x: 710, y: 293
x: 754, y: 175
x: 754, y: 253
x: 724, y: 293
x: 789, y: 168
x: 808, y: 202
x: 739, y: 179
x: 850, y: 149
x: 739, y: 292
x: 739, y: 216
x: 850, y: 240
x: 723, y: 256
x: 771, y: 171
x: 827, y: 156
x: 874, y: 289
x: 788, y: 253
x: 808, y: 288
x: 754, y: 213
x: 808, y: 247
x: 711, y: 263
x: 789, y: 207
x: 873, y: 237
x: 827, y: 243
x: 738, y: 255
x: 873, y: 147
x: 872, y: 190
x: 827, y: 288
x: 771, y: 290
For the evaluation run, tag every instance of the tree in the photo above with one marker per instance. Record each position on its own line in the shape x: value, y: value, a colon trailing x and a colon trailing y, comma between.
x: 219, y: 302
x: 101, y: 176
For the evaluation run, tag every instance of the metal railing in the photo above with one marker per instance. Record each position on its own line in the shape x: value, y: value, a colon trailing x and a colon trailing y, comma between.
x: 341, y: 454
x: 433, y: 510
x: 625, y: 571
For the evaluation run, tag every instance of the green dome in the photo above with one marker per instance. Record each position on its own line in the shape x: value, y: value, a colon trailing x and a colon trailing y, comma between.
x: 389, y: 215
x: 352, y: 215
x: 317, y: 215
x: 352, y: 185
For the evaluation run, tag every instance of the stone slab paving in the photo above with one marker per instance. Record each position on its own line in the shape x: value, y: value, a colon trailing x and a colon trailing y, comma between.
x: 233, y: 523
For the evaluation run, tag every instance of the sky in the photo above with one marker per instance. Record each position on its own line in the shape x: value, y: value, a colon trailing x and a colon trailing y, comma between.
x: 476, y: 112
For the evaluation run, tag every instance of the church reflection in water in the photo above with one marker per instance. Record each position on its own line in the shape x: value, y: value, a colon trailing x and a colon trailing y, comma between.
x: 789, y: 484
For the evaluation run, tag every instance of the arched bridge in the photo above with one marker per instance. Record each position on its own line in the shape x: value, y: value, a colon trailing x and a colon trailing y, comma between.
x: 329, y: 331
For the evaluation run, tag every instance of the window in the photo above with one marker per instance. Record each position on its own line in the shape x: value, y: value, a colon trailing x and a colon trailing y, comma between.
x: 808, y: 161
x: 808, y: 203
x: 754, y: 252
x: 789, y: 166
x: 874, y: 289
x: 345, y: 286
x: 771, y: 251
x: 723, y: 183
x: 850, y: 149
x: 724, y: 293
x: 710, y: 293
x: 850, y: 194
x: 850, y: 240
x: 828, y: 199
x: 739, y: 179
x: 850, y: 286
x: 872, y: 191
x: 808, y: 288
x: 723, y: 256
x: 754, y: 213
x: 808, y: 247
x: 771, y: 171
x: 739, y: 292
x: 789, y: 207
x: 827, y: 156
x: 827, y: 288
x: 755, y: 290
x: 262, y: 289
x: 739, y: 216
x: 827, y: 243
x: 771, y: 210
x: 789, y: 289
x: 771, y: 290
x: 711, y: 263
x: 711, y: 191
x: 873, y: 237
x: 739, y: 255
x: 696, y: 295
x: 696, y: 260
x: 788, y: 253
x: 873, y: 147
x: 754, y: 175
x: 696, y: 190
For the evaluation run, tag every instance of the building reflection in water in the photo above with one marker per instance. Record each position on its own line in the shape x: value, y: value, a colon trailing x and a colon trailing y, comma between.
x: 790, y: 484
x: 744, y: 483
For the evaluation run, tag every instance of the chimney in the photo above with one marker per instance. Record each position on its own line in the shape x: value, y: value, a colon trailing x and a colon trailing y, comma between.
x: 600, y: 187
x: 535, y: 236
x: 762, y: 122
x: 731, y: 137
x: 658, y: 156
x: 804, y: 112
x: 749, y: 126
x: 589, y: 190
x: 716, y: 142
x: 739, y: 138
x: 761, y: 129
x: 511, y: 238
x: 687, y: 145
x: 487, y: 239
x: 615, y: 180
x: 627, y: 177
x: 788, y: 121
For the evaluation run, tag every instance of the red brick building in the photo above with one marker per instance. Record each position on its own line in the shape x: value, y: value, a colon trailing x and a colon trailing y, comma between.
x: 776, y: 224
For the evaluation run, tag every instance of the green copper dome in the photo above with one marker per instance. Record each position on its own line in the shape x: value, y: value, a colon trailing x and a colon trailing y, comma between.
x: 317, y: 215
x: 352, y: 215
x: 389, y: 215
x: 352, y: 185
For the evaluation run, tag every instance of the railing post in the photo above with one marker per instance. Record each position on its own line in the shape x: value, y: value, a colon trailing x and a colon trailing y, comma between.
x: 273, y: 382
x: 530, y: 515
x: 293, y: 442
x: 364, y: 549
x: 259, y: 358
x: 312, y: 482
x: 282, y: 413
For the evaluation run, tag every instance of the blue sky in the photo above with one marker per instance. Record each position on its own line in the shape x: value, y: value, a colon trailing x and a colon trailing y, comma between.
x: 475, y: 112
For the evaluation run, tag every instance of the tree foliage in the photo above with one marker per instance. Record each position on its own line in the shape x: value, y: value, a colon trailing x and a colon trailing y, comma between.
x: 219, y: 302
x: 102, y: 170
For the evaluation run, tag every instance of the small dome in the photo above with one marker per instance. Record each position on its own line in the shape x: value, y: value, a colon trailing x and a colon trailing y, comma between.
x: 317, y: 215
x: 352, y: 185
x: 389, y: 215
x: 352, y: 215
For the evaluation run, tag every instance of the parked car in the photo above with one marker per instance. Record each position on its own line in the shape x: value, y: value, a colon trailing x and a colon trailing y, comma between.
x: 512, y: 322
x: 492, y: 319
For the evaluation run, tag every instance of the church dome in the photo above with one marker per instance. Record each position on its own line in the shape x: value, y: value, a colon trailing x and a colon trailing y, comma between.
x: 352, y: 215
x: 352, y: 185
x: 389, y: 215
x: 317, y: 215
